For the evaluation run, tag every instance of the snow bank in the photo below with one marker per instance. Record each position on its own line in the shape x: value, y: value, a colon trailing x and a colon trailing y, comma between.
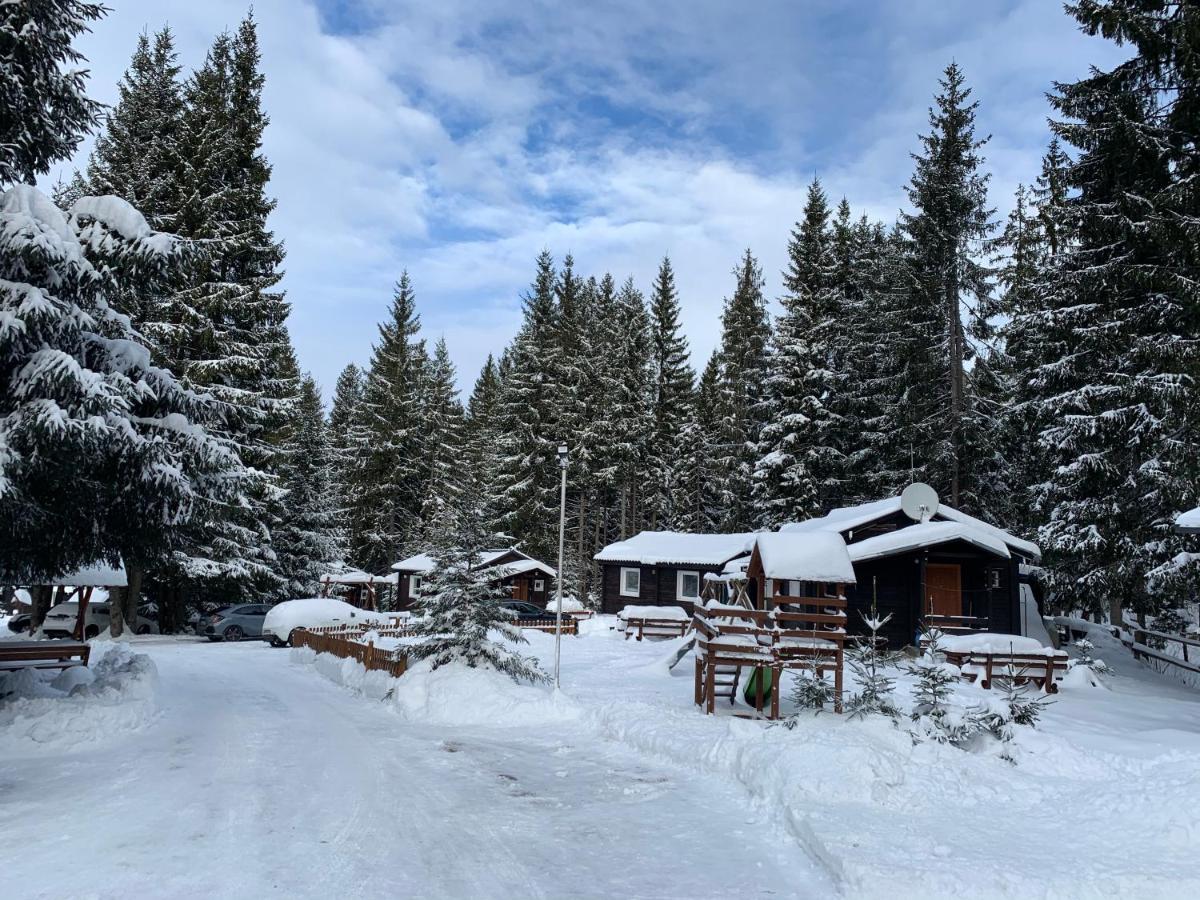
x: 459, y: 695
x: 677, y: 613
x: 995, y: 643
x: 116, y: 694
x: 569, y: 605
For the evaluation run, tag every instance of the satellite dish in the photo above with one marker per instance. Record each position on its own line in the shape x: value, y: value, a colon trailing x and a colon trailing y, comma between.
x: 919, y: 502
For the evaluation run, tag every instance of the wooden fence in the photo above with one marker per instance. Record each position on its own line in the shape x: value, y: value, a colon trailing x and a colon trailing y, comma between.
x: 343, y: 645
x: 1139, y: 643
x: 401, y: 629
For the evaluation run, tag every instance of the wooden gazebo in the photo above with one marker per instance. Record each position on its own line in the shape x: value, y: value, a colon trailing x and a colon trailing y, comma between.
x: 361, y: 588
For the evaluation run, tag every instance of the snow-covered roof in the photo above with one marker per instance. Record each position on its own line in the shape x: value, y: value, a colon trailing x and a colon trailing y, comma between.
x: 847, y: 518
x: 1189, y: 522
x: 805, y: 556
x: 95, y: 575
x: 422, y: 562
x: 653, y: 548
x: 357, y: 576
x: 520, y: 566
x: 925, y: 534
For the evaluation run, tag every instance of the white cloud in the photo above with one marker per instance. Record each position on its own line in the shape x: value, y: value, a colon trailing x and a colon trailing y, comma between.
x: 458, y: 139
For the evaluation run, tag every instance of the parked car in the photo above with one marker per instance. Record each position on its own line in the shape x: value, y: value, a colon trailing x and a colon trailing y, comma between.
x: 313, y: 612
x: 60, y: 621
x: 526, y: 611
x: 19, y: 622
x: 236, y: 623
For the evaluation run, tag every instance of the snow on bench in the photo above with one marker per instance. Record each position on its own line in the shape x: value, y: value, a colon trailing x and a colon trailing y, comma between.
x: 656, y: 621
x: 1022, y: 659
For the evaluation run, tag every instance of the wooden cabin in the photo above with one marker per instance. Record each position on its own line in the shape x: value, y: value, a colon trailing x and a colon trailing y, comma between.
x: 952, y: 570
x: 528, y: 579
x: 664, y: 568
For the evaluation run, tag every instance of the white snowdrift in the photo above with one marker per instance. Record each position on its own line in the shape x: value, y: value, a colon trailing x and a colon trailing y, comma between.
x: 116, y: 694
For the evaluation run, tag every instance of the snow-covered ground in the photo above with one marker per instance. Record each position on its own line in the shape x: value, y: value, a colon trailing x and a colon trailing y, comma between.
x: 271, y: 772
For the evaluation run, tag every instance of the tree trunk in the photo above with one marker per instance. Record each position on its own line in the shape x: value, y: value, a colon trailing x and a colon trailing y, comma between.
x: 116, y: 611
x: 133, y: 594
x: 1114, y: 611
x: 39, y: 596
x: 956, y: 387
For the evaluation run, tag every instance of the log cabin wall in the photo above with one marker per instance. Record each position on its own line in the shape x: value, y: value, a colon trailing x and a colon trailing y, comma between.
x: 658, y: 585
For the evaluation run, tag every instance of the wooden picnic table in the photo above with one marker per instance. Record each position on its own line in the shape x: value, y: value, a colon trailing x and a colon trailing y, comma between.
x: 43, y: 654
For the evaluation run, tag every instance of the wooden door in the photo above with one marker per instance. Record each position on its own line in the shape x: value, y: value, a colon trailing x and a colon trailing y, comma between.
x: 943, y: 589
x: 520, y: 589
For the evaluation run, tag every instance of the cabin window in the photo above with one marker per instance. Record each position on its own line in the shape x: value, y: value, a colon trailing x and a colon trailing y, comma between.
x: 539, y: 584
x: 631, y: 582
x: 414, y: 585
x: 995, y: 573
x: 688, y: 584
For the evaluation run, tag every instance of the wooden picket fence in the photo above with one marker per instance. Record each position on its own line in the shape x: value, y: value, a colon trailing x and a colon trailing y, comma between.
x: 401, y: 629
x: 343, y: 646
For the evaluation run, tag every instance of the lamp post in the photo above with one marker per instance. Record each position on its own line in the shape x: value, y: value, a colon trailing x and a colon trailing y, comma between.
x: 562, y: 530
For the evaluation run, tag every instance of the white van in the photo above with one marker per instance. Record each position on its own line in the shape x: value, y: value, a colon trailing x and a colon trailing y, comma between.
x: 60, y: 621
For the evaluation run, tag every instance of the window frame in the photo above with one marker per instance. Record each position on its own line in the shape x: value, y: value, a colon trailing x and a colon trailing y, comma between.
x: 415, y: 583
x: 624, y: 590
x: 539, y: 585
x: 680, y: 574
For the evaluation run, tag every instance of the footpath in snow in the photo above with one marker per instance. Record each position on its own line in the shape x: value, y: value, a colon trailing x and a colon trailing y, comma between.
x: 251, y: 777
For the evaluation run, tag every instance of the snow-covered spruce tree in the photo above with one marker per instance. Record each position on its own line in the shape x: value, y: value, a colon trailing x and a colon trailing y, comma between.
x: 672, y: 386
x: 869, y: 658
x: 1084, y: 649
x: 809, y: 691
x: 44, y: 112
x: 480, y: 432
x: 1123, y: 406
x: 931, y: 715
x: 945, y: 238
x: 526, y: 495
x: 743, y: 409
x: 306, y: 538
x: 463, y: 619
x: 797, y: 470
x: 698, y: 486
x: 102, y: 453
x: 346, y: 449
x: 443, y: 432
x: 390, y: 480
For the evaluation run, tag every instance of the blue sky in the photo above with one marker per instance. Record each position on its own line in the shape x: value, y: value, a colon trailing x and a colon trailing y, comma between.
x: 458, y: 139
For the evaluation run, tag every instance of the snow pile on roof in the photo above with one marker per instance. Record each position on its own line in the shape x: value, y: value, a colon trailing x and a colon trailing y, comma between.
x: 357, y: 576
x: 423, y: 563
x: 805, y: 556
x: 652, y: 548
x: 81, y: 706
x: 95, y: 575
x: 847, y: 518
x: 521, y: 566
x: 925, y: 534
x: 1189, y: 521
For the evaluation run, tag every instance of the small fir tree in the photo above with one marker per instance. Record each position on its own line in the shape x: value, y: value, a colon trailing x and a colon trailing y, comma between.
x: 461, y: 604
x: 868, y: 662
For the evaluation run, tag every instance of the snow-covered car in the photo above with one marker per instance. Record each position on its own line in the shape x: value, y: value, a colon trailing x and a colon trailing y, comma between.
x: 311, y: 612
x: 60, y: 621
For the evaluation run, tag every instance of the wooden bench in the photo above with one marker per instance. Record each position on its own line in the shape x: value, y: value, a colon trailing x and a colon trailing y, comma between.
x: 43, y: 654
x: 638, y: 625
x: 1041, y: 669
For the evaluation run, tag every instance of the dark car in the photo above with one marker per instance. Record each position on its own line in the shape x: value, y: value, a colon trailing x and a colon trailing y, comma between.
x: 236, y: 623
x: 525, y: 611
x: 20, y: 622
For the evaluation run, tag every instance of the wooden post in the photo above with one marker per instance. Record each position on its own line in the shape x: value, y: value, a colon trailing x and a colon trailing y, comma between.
x: 710, y: 686
x: 85, y: 596
x: 837, y: 680
x: 699, y: 679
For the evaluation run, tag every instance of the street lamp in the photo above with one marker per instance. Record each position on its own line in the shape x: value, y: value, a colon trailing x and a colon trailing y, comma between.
x: 562, y: 530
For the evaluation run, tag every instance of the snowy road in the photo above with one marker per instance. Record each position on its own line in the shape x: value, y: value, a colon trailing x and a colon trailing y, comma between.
x: 261, y: 779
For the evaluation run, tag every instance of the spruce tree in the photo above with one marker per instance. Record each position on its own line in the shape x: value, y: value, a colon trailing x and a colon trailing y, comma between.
x: 103, y: 455
x: 347, y: 444
x: 946, y: 233
x: 480, y: 430
x: 45, y: 112
x: 799, y: 469
x: 698, y: 485
x: 306, y: 538
x: 526, y: 496
x: 463, y: 621
x: 746, y: 331
x: 672, y: 386
x: 1122, y: 403
x: 390, y: 482
x: 442, y: 414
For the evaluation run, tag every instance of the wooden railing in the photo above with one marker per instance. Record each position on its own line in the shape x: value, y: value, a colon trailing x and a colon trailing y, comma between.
x: 1137, y: 642
x: 343, y: 646
x: 399, y: 629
